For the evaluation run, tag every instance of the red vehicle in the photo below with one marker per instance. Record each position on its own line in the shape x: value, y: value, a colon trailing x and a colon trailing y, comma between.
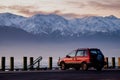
x: 83, y: 58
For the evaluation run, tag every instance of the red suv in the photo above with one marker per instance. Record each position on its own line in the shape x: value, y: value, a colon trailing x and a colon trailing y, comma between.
x: 83, y: 58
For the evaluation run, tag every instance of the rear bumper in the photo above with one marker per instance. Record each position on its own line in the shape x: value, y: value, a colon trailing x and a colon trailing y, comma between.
x: 105, y: 63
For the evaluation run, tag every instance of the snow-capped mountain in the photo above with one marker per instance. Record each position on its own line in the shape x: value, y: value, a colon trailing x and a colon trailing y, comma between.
x: 96, y: 24
x: 46, y: 24
x: 11, y: 20
x: 53, y: 24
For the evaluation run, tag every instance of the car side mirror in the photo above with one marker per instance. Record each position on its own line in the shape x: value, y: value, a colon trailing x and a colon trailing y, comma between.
x: 67, y: 56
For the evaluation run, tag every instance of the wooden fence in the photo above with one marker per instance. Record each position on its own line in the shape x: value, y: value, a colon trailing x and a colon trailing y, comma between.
x: 50, y: 63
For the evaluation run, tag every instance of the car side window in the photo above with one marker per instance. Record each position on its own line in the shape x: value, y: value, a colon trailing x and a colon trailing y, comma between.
x: 94, y: 52
x: 81, y: 53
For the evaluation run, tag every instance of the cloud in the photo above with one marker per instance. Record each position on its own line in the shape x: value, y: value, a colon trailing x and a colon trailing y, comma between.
x: 26, y: 10
x: 71, y: 15
x: 77, y: 4
x: 105, y: 5
x: 30, y: 11
x: 15, y: 7
x: 3, y: 7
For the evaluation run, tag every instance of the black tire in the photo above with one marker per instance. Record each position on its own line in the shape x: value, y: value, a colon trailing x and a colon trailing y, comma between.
x: 63, y: 66
x: 99, y: 67
x: 84, y: 66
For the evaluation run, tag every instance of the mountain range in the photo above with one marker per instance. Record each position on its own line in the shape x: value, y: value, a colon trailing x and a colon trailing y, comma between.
x: 54, y: 35
x: 53, y: 26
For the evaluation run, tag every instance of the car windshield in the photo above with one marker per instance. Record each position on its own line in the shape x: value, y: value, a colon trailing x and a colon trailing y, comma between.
x: 72, y: 54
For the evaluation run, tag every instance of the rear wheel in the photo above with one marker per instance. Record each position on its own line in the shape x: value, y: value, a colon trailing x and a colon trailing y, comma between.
x: 99, y: 67
x: 84, y: 66
x: 63, y: 66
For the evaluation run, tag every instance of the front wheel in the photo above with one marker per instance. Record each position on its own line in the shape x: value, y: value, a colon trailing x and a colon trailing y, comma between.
x: 63, y: 66
x: 84, y: 66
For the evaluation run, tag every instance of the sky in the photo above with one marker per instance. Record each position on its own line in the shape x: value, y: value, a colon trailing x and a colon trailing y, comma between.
x: 66, y: 8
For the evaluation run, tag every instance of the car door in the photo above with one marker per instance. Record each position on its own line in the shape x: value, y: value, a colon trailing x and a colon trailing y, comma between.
x: 70, y: 58
x: 81, y: 56
x: 96, y: 56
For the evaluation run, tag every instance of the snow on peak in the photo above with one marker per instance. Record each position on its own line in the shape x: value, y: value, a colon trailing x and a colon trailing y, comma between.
x: 111, y: 17
x: 45, y: 24
x: 98, y: 24
x: 11, y: 20
x: 50, y: 23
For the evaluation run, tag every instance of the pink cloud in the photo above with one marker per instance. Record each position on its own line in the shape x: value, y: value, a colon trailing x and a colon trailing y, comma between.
x: 104, y: 5
x: 76, y: 4
x: 28, y: 11
x: 3, y: 7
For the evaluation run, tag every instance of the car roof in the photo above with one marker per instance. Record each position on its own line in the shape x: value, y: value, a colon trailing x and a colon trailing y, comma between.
x: 86, y: 48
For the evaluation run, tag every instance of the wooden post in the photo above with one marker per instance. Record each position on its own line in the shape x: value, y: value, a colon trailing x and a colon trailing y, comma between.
x: 3, y: 63
x: 50, y: 63
x: 31, y: 63
x: 38, y: 65
x: 113, y: 62
x: 24, y: 63
x: 118, y: 62
x: 106, y: 60
x: 11, y: 63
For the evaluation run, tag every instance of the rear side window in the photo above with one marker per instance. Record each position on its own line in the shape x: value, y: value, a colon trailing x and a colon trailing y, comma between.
x: 95, y: 52
x: 81, y: 53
